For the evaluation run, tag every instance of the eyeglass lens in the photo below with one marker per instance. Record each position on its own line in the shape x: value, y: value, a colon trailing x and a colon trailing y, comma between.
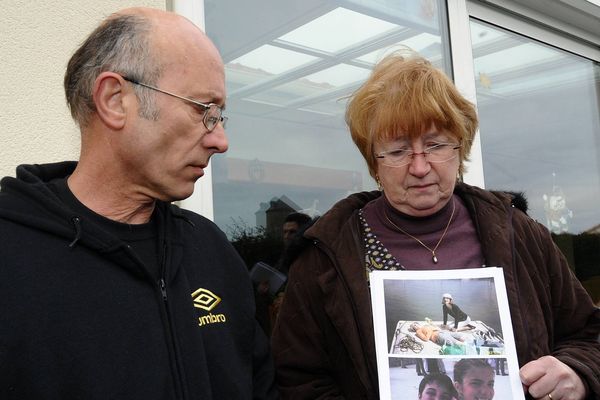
x: 213, y: 116
x: 434, y: 154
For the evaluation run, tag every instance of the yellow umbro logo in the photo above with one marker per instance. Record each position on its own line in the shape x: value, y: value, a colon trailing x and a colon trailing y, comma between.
x: 205, y: 299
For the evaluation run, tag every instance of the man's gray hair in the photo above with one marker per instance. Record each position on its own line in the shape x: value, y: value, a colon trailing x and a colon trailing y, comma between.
x: 120, y: 44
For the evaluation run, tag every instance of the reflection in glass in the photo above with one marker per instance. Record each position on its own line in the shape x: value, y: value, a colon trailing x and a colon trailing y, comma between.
x: 255, y: 60
x: 289, y: 69
x: 337, y: 30
x: 540, y: 134
x: 319, y: 83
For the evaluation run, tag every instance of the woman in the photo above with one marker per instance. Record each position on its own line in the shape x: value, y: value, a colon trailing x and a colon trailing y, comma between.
x: 474, y: 379
x: 448, y: 307
x: 415, y: 131
x: 437, y: 387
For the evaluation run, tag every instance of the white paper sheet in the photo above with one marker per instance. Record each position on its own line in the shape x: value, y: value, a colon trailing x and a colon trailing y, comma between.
x: 400, y: 298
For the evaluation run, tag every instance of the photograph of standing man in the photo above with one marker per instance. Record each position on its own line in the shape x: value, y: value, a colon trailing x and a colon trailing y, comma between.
x: 109, y: 290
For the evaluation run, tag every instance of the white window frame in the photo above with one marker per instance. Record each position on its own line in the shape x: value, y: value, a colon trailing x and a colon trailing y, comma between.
x: 463, y: 72
x: 549, y: 30
x: 201, y: 201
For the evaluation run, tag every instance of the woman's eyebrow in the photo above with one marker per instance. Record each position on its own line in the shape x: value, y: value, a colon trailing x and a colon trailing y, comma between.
x: 434, y: 135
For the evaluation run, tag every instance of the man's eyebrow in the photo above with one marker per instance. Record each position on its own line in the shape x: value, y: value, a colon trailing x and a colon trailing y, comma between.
x: 211, y: 100
x: 208, y: 97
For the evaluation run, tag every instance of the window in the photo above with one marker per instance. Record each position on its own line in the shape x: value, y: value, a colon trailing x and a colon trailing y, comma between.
x: 289, y: 69
x: 540, y: 134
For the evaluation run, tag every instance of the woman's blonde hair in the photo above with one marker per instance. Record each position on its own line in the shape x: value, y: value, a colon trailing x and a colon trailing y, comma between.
x: 405, y: 95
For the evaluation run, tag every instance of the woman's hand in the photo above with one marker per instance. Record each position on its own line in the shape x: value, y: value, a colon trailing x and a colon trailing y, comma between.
x: 550, y: 379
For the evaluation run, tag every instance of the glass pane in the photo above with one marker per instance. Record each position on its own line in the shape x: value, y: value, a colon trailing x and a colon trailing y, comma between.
x: 290, y: 67
x: 540, y: 134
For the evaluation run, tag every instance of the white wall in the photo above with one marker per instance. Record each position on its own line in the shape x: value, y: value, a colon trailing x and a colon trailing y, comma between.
x: 37, y: 39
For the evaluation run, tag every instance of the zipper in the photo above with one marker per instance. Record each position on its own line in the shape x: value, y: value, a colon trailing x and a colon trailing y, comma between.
x: 179, y: 387
x: 161, y: 281
x: 175, y: 359
x: 163, y: 289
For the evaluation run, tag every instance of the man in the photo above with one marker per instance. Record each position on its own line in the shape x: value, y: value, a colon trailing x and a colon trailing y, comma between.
x: 292, y: 224
x: 267, y: 306
x: 108, y: 290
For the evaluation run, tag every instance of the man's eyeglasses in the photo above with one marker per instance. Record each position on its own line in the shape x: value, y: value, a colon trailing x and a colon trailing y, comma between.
x: 213, y: 113
x: 437, y: 153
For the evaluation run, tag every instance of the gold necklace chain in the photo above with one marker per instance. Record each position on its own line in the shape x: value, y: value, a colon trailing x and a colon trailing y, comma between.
x: 433, y: 256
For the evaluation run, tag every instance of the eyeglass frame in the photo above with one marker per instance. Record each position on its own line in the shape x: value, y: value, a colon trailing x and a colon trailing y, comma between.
x: 410, y: 154
x: 205, y: 106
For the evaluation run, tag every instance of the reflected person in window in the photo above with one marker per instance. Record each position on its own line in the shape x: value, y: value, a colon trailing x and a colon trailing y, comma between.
x: 292, y: 224
x: 267, y: 306
x: 415, y: 131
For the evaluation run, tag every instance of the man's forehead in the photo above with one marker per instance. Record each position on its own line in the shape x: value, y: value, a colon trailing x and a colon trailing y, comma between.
x: 197, y: 67
x: 179, y: 40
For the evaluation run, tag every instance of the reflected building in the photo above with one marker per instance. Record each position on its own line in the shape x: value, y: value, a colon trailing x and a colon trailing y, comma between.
x: 275, y: 214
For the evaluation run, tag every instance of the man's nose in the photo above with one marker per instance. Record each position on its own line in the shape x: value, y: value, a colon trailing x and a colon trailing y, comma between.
x: 217, y: 139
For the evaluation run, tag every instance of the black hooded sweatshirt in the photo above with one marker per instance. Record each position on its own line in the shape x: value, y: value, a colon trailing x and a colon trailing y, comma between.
x: 83, y: 317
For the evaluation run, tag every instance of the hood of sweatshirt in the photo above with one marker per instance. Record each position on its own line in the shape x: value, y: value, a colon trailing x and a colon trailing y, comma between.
x: 29, y: 200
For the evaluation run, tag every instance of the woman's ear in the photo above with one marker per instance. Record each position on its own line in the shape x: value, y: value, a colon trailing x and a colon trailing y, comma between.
x: 379, y: 185
x: 108, y: 93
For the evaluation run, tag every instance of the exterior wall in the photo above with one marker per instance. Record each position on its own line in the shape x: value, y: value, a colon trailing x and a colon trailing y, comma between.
x: 36, y: 40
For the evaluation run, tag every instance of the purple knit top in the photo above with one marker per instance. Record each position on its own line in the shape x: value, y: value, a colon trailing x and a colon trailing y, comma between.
x: 460, y: 247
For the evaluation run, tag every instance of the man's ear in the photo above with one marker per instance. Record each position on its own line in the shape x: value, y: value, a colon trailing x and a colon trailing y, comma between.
x: 108, y: 94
